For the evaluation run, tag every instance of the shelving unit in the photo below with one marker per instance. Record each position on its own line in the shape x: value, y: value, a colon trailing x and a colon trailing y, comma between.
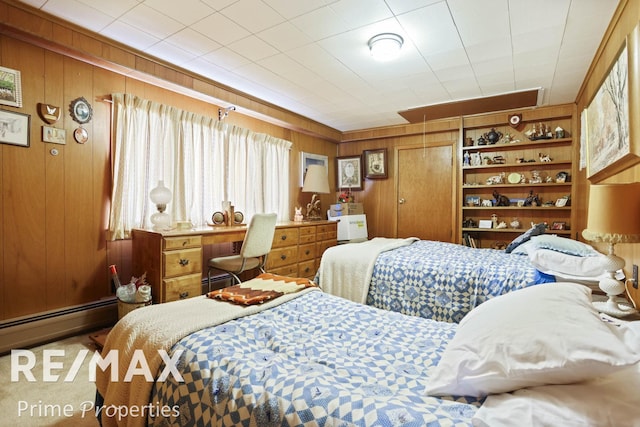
x: 514, y: 175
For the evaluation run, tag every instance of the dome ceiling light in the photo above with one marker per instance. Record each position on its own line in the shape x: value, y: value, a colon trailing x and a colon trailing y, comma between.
x: 385, y: 46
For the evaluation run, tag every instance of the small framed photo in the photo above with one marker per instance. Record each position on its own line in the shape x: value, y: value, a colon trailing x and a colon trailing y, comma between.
x: 14, y: 128
x: 54, y: 135
x: 559, y: 226
x: 562, y: 202
x: 473, y: 201
x: 375, y: 163
x: 307, y: 159
x: 10, y: 87
x: 349, y: 171
x: 485, y: 223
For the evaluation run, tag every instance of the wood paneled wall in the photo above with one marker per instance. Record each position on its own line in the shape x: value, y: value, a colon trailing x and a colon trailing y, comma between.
x: 54, y: 210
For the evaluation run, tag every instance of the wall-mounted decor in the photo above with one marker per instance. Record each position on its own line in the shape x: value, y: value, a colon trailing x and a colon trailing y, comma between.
x: 81, y: 135
x: 80, y: 110
x: 14, y: 128
x: 375, y: 163
x: 10, y: 87
x: 49, y: 113
x: 349, y: 172
x: 54, y: 135
x: 609, y: 146
x: 307, y: 159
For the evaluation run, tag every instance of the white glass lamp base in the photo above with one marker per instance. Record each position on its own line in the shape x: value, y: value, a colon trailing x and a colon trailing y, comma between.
x: 614, y: 308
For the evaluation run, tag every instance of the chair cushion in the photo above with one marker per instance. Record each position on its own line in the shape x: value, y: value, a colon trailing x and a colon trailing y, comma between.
x: 233, y: 263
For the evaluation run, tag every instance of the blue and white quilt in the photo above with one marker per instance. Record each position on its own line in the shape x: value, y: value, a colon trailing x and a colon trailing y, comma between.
x: 444, y: 281
x: 317, y: 360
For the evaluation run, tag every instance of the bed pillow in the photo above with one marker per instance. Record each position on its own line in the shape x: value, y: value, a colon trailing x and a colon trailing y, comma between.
x: 550, y: 261
x: 536, y: 230
x: 604, y: 401
x: 544, y: 334
x: 563, y: 245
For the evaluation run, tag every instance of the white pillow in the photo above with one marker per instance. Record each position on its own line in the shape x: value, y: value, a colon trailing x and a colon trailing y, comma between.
x: 544, y: 334
x: 563, y: 245
x: 547, y: 260
x: 605, y: 401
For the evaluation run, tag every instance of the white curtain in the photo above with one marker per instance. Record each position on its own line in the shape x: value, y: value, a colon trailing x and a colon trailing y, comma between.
x: 201, y: 160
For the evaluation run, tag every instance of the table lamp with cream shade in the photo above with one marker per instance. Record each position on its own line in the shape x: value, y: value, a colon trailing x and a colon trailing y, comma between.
x: 613, y: 217
x: 316, y: 181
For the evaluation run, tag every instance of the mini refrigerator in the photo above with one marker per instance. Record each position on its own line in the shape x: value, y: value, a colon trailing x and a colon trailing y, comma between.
x: 351, y: 228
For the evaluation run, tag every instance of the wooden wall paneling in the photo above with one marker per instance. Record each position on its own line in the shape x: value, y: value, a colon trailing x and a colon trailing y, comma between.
x: 24, y: 193
x: 84, y: 242
x: 54, y: 222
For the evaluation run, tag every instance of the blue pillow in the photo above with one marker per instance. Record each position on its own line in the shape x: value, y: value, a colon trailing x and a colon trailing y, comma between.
x: 564, y: 245
x: 536, y: 230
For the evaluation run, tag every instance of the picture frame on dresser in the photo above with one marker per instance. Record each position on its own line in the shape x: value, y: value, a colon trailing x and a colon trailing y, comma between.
x: 609, y: 135
x: 375, y: 163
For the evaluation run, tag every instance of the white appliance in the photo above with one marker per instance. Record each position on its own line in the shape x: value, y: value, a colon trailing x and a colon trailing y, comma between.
x: 351, y: 228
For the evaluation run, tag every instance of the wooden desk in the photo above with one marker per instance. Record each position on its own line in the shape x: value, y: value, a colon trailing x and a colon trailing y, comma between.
x: 174, y: 264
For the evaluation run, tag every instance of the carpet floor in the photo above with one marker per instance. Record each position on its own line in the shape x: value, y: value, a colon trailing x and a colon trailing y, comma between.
x: 49, y: 403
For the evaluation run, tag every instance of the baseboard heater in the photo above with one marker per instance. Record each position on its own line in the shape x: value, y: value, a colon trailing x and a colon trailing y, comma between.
x: 27, y: 331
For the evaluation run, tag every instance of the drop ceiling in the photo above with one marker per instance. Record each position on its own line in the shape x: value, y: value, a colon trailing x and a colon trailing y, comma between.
x: 311, y: 56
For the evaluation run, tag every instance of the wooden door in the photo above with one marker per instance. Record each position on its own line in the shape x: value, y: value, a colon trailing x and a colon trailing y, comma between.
x: 425, y: 192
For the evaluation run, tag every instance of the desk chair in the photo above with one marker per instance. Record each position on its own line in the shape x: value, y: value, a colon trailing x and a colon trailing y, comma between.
x: 253, y: 253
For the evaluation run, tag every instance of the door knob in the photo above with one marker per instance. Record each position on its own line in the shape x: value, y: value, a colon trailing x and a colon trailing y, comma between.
x: 401, y: 201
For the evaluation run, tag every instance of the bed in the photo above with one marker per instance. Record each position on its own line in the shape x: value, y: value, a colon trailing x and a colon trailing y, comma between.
x: 310, y: 358
x: 444, y: 281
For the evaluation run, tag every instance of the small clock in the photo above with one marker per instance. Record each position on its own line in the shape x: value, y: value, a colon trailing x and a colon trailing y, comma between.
x: 515, y: 119
x: 80, y: 110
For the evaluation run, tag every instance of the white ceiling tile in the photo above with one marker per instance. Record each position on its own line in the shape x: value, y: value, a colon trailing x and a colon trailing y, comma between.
x: 312, y: 57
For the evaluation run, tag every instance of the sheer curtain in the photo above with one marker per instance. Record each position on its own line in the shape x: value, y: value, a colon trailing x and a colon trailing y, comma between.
x: 201, y: 160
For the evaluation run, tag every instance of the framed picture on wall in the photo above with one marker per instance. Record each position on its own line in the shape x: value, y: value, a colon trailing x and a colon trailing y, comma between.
x: 307, y: 159
x: 349, y: 172
x: 10, y: 87
x: 14, y: 128
x: 611, y: 145
x: 375, y: 163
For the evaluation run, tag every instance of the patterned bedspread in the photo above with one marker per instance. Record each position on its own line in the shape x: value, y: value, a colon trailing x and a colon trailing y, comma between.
x: 444, y: 281
x: 318, y: 360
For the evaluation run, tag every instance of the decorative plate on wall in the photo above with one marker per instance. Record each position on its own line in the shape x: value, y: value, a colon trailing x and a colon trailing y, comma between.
x: 81, y: 135
x: 80, y: 110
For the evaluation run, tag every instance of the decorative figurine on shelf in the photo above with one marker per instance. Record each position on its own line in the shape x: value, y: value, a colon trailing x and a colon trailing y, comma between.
x: 494, y: 220
x: 544, y: 158
x: 496, y: 179
x: 466, y: 159
x: 532, y: 200
x: 493, y: 136
x: 298, y: 215
x: 501, y: 225
x: 559, y: 132
x: 515, y: 223
x: 501, y: 200
x: 476, y: 159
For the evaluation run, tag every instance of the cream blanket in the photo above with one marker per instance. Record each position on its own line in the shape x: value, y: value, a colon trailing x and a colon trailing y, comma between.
x: 345, y: 270
x: 160, y: 327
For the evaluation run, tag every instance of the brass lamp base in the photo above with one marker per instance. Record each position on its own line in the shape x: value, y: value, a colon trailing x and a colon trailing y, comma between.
x: 313, y: 209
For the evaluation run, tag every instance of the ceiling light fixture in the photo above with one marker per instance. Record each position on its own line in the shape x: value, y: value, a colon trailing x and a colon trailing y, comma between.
x: 385, y: 46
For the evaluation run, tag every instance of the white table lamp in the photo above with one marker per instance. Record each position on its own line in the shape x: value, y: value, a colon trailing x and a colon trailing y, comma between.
x: 316, y: 181
x: 613, y: 217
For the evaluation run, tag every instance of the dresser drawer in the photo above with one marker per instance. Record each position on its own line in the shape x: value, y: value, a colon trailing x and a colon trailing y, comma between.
x: 327, y: 235
x: 306, y: 252
x: 180, y: 263
x: 327, y: 228
x: 282, y: 256
x: 287, y: 270
x: 181, y: 242
x: 182, y: 287
x: 285, y: 237
x: 307, y: 269
x: 323, y: 246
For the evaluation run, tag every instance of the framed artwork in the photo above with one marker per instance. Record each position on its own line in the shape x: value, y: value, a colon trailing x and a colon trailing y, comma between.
x: 14, y: 128
x: 349, y: 172
x: 606, y: 124
x: 559, y: 226
x: 10, y: 87
x: 307, y: 159
x: 473, y: 200
x: 54, y: 135
x: 375, y: 163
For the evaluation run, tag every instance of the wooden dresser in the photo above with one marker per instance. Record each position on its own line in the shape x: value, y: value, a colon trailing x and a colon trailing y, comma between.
x: 173, y: 260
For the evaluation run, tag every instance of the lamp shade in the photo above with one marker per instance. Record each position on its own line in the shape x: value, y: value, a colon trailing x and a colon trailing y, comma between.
x: 316, y: 180
x: 614, y: 213
x: 160, y: 195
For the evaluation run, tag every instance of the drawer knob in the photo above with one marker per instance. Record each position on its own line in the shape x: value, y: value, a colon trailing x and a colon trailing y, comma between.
x: 183, y: 262
x: 283, y: 257
x: 284, y: 237
x: 184, y: 295
x: 307, y: 252
x: 306, y: 270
